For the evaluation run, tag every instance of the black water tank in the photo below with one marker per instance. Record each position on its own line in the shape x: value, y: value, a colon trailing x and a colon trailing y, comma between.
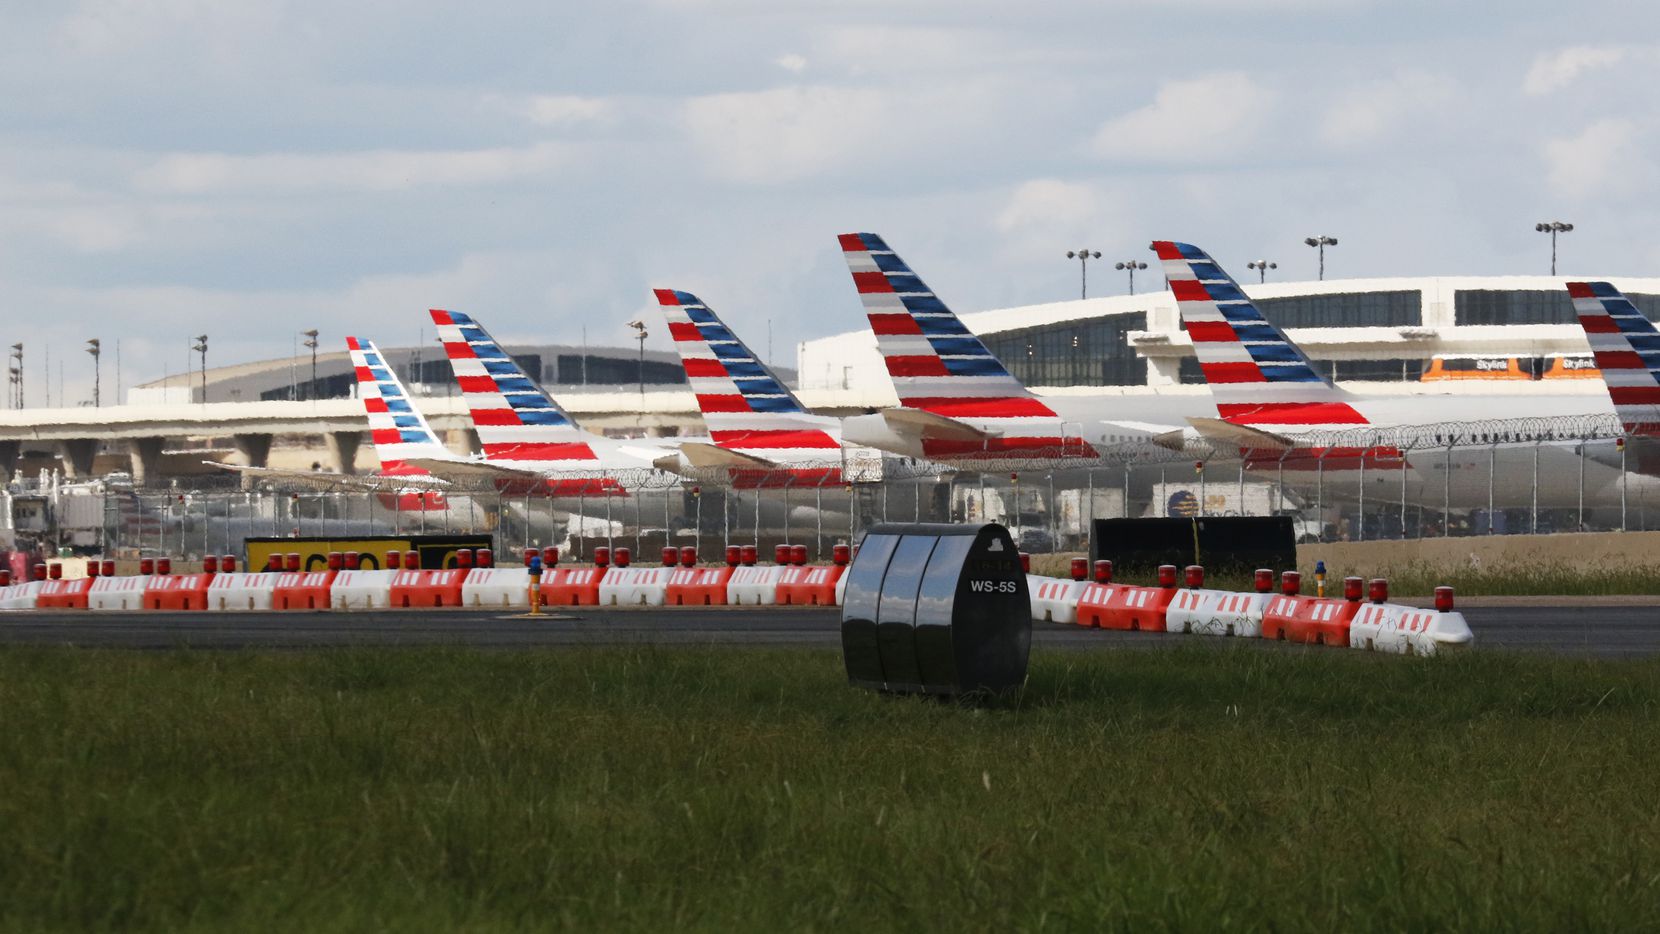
x: 940, y: 609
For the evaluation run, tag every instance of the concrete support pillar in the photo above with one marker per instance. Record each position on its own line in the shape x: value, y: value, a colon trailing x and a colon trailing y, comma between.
x: 146, y: 454
x: 342, y: 447
x: 77, y: 456
x: 9, y: 452
x: 254, y: 450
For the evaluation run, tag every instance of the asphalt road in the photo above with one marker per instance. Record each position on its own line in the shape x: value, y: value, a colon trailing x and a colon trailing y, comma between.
x: 1602, y: 631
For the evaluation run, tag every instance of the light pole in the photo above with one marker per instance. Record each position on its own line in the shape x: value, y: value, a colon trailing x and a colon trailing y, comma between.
x: 1130, y: 265
x: 1553, y: 228
x: 1320, y: 243
x: 1083, y: 257
x: 17, y: 371
x: 201, y: 347
x: 640, y: 335
x: 1261, y: 266
x: 311, y: 342
x: 95, y: 347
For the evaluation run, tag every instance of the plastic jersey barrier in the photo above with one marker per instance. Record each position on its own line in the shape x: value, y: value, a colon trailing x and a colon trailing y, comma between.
x: 1322, y: 621
x: 698, y: 586
x: 1055, y: 600
x: 427, y: 588
x: 841, y: 591
x: 361, y: 590
x: 1367, y: 628
x: 1093, y: 601
x: 1279, y: 615
x: 178, y: 592
x: 635, y: 586
x: 755, y: 585
x: 504, y: 587
x: 20, y: 596
x: 811, y: 585
x: 572, y: 586
x: 117, y: 593
x: 1216, y: 613
x: 305, y: 590
x: 1404, y: 630
x: 64, y: 594
x: 243, y: 590
x: 1131, y: 608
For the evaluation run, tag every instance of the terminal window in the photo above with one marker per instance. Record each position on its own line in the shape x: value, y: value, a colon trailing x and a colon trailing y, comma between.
x: 1345, y: 310
x: 1087, y: 352
x: 1529, y: 306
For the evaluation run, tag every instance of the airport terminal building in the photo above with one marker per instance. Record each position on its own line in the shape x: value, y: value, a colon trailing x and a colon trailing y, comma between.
x: 1394, y: 330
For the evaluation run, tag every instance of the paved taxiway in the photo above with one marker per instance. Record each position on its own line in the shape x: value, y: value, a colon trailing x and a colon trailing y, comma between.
x: 1602, y: 631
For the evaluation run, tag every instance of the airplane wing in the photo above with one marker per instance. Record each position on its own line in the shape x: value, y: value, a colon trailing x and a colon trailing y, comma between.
x: 1240, y: 436
x: 463, y: 470
x: 929, y: 425
x: 701, y: 454
x: 335, y: 481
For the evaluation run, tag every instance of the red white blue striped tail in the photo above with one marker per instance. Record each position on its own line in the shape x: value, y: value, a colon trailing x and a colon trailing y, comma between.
x: 748, y: 409
x: 1258, y: 377
x: 1627, y: 348
x: 939, y: 366
x: 399, y: 430
x: 516, y: 420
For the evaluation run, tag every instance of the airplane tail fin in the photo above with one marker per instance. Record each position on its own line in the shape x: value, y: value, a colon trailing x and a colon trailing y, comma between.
x: 516, y: 420
x: 1627, y: 350
x: 1258, y: 377
x: 398, y: 429
x: 938, y: 365
x: 745, y: 405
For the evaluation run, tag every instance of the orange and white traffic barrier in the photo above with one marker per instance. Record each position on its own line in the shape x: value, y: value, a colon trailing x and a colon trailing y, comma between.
x: 814, y: 585
x: 488, y: 585
x: 239, y: 591
x: 22, y: 596
x: 419, y: 588
x: 357, y: 589
x: 1324, y: 620
x: 304, y: 590
x: 60, y: 593
x: 632, y: 585
x: 691, y: 585
x: 754, y: 584
x: 1055, y: 600
x: 1132, y: 608
x: 574, y: 586
x: 1094, y: 599
x: 1219, y: 612
x: 109, y: 592
x: 181, y: 591
x: 1381, y: 626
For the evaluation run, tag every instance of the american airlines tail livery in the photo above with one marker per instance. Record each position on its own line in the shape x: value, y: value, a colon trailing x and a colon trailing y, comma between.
x: 529, y: 443
x: 957, y: 402
x: 758, y: 429
x: 1627, y: 350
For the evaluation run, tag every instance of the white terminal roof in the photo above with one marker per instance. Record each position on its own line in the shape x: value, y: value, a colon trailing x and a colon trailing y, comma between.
x: 845, y: 370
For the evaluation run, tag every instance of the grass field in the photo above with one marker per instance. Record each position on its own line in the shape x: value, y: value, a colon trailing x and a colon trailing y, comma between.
x: 1208, y: 787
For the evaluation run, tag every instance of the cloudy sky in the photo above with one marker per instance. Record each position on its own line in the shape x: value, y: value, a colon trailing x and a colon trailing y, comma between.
x: 173, y: 167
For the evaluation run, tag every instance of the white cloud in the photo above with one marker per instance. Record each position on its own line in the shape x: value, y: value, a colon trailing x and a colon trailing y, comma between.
x: 1557, y: 70
x: 563, y: 109
x: 769, y: 137
x: 377, y: 170
x: 1211, y: 118
x: 791, y: 62
x: 1380, y: 109
x: 1050, y: 204
x: 1607, y: 158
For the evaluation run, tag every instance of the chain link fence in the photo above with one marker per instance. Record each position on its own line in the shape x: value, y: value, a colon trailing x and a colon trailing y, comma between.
x: 1498, y: 477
